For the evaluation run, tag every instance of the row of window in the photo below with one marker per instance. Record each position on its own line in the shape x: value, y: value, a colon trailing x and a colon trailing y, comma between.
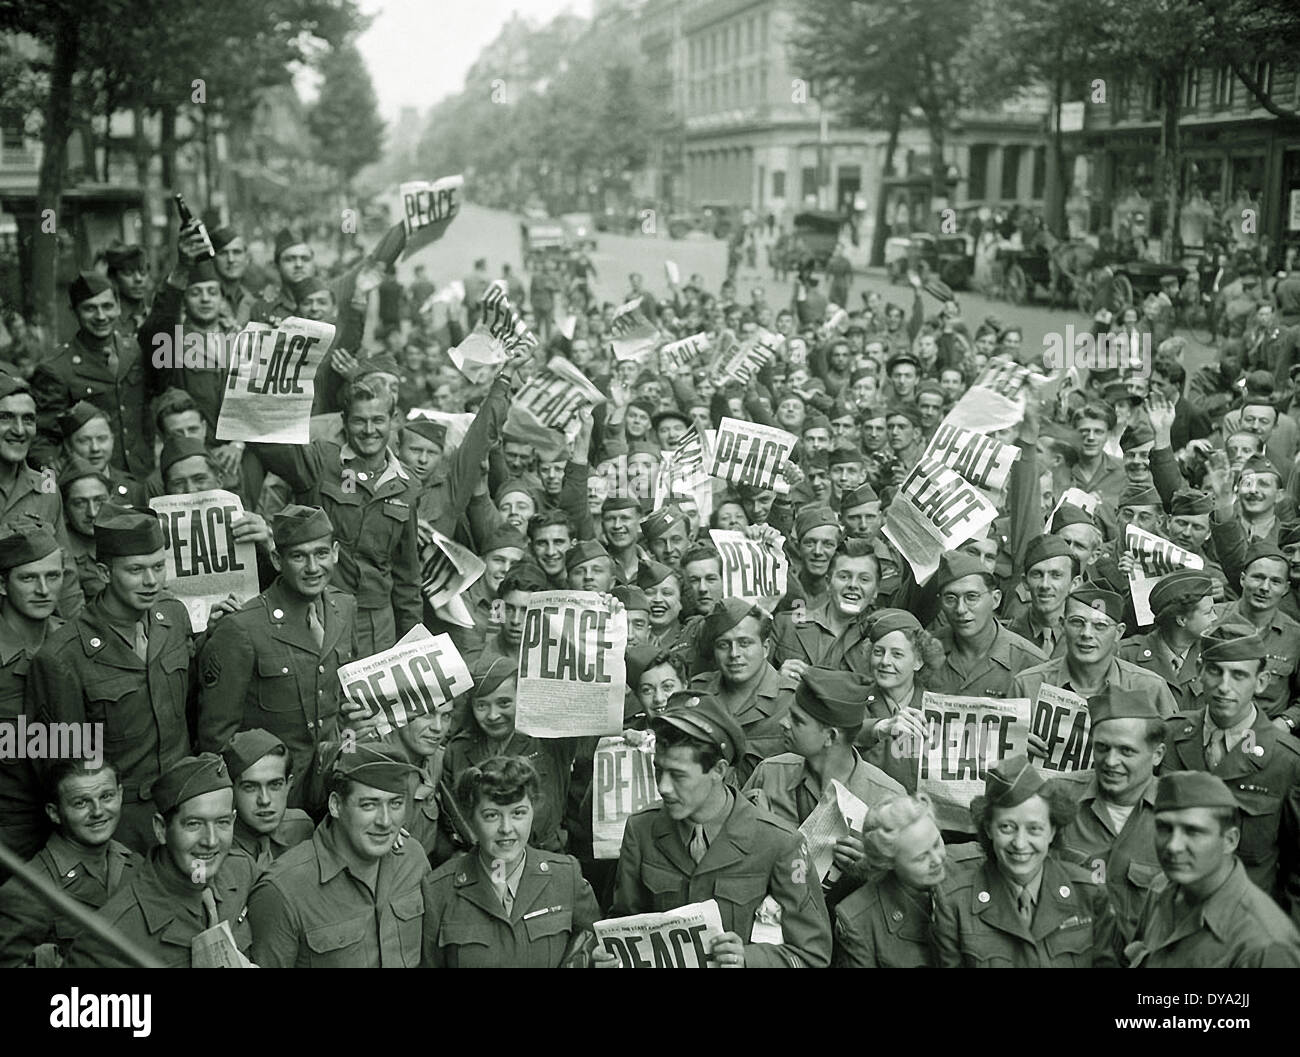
x: 977, y: 181
x: 1221, y: 84
x: 726, y: 42
x: 748, y: 89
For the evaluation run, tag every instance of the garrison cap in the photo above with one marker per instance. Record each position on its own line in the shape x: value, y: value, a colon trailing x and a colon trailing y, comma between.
x: 1180, y: 587
x: 885, y: 621
x: 1135, y: 435
x: 907, y: 411
x: 643, y: 447
x: 1233, y: 642
x: 1288, y: 534
x: 428, y: 429
x: 247, y: 747
x: 704, y: 717
x: 300, y: 524
x: 1042, y: 548
x: 1121, y: 704
x: 1012, y: 781
x: 836, y: 698
x: 1263, y: 549
x: 26, y: 545
x: 814, y: 517
x: 619, y: 502
x: 1107, y: 602
x: 177, y: 448
x: 304, y: 288
x: 817, y: 421
x: 1191, y: 501
x: 658, y: 523
x: 725, y: 616
x: 1260, y: 464
x: 1065, y: 440
x: 638, y: 659
x: 504, y: 536
x: 954, y: 565
x: 1140, y: 495
x: 842, y: 455
x: 78, y: 415
x: 222, y: 237
x: 1069, y: 514
x: 856, y: 497
x: 9, y: 385
x: 85, y: 286
x: 120, y: 257
x: 650, y: 573
x: 632, y: 597
x: 522, y: 487
x: 490, y: 672
x: 1180, y: 789
x: 122, y: 531
x: 284, y: 239
x: 369, y: 766
x: 202, y: 272
x: 75, y: 469
x: 188, y: 777
x: 583, y: 551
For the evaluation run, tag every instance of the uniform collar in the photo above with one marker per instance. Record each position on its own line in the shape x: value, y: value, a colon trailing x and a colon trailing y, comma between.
x: 1219, y: 913
x: 392, y: 465
x: 11, y: 648
x: 66, y: 857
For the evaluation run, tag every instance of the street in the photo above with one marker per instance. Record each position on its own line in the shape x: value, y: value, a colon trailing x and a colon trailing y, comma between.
x: 494, y: 234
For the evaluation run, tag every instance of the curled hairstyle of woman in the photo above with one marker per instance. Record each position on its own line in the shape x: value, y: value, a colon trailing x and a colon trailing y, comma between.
x: 500, y: 779
x: 1061, y: 809
x: 885, y: 822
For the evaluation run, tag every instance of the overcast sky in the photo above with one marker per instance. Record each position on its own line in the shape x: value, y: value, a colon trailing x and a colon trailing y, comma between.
x: 418, y: 51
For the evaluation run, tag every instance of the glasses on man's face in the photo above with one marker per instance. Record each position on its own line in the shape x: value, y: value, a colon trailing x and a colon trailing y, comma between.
x: 1099, y: 627
x: 949, y: 600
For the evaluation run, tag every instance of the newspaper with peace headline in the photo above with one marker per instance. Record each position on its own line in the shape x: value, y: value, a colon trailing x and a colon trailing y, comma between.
x: 271, y: 381
x: 1062, y: 720
x: 428, y: 208
x: 754, y: 570
x: 669, y: 939
x: 996, y: 401
x: 751, y: 454
x: 623, y: 783
x: 1155, y: 558
x: 448, y: 570
x: 407, y: 680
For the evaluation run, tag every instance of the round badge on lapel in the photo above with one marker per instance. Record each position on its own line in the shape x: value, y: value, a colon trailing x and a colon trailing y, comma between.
x: 1258, y: 750
x: 96, y: 643
x: 278, y: 614
x: 544, y: 866
x: 1065, y: 891
x: 983, y: 897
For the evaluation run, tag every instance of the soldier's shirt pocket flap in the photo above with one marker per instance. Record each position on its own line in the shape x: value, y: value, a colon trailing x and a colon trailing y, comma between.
x: 1141, y: 874
x: 273, y: 667
x: 338, y: 935
x: 455, y: 933
x: 175, y: 660
x: 749, y: 888
x: 408, y: 906
x: 1256, y: 799
x: 396, y: 511
x: 1077, y: 939
x: 658, y: 879
x: 552, y: 923
x: 349, y: 496
x: 112, y: 689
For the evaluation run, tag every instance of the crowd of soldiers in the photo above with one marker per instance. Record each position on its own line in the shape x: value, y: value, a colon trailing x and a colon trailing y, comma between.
x: 239, y: 789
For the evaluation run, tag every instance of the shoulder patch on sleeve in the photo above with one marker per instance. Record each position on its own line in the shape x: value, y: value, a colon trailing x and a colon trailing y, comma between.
x: 211, y: 672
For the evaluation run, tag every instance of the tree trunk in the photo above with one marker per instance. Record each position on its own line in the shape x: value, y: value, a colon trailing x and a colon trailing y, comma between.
x: 886, y: 170
x: 938, y: 175
x: 167, y: 145
x: 142, y: 151
x: 1170, y: 164
x: 1054, y: 192
x: 49, y: 187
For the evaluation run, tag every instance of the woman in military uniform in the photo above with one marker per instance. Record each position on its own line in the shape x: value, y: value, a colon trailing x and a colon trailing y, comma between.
x: 505, y: 904
x: 885, y: 924
x: 894, y: 732
x: 490, y: 731
x: 1020, y: 906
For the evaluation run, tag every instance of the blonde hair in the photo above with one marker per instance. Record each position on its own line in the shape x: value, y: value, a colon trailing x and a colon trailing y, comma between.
x: 886, y: 821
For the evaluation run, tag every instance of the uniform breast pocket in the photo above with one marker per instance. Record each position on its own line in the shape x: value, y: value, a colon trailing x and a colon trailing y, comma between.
x: 550, y: 932
x: 409, y: 912
x: 1071, y: 948
x: 738, y: 897
x: 466, y: 945
x: 1260, y: 811
x: 111, y: 700
x: 277, y: 688
x: 175, y: 666
x: 1142, y: 875
x: 983, y: 950
x: 667, y: 888
x: 392, y: 524
x: 340, y: 944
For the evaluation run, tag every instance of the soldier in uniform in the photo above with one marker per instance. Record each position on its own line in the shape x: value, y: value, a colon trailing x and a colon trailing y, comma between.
x: 1112, y: 834
x: 85, y: 490
x: 190, y: 884
x: 821, y: 726
x: 1288, y: 541
x: 811, y: 636
x: 981, y: 656
x: 124, y: 661
x: 1183, y: 605
x: 231, y: 262
x: 273, y: 664
x: 81, y: 859
x: 88, y: 436
x: 370, y: 500
x: 1091, y: 663
x: 705, y: 841
x: 1051, y: 572
x: 817, y: 533
x: 504, y: 903
x: 1232, y: 738
x: 265, y: 826
x: 102, y: 368
x: 1022, y: 906
x: 31, y: 571
x: 1211, y: 915
x: 128, y: 271
x: 348, y: 898
x: 754, y: 693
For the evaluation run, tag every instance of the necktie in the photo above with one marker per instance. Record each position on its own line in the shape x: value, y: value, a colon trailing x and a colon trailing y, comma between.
x: 315, y: 626
x: 507, y: 900
x: 112, y: 358
x: 698, y: 845
x: 1217, y: 749
x: 264, y: 856
x: 209, y: 907
x: 141, y: 641
x: 1025, y: 906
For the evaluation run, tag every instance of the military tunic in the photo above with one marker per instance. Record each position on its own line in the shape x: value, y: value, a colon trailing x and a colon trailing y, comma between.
x: 86, y: 673
x: 804, y: 635
x: 977, y: 926
x: 759, y: 716
x: 265, y: 848
x: 310, y: 911
x: 1263, y: 772
x: 1121, y: 674
x: 466, y: 925
x: 1238, y: 927
x: 161, y: 912
x: 754, y: 855
x: 260, y: 667
x: 1150, y: 651
x: 375, y: 526
x: 993, y: 674
x: 34, y: 933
